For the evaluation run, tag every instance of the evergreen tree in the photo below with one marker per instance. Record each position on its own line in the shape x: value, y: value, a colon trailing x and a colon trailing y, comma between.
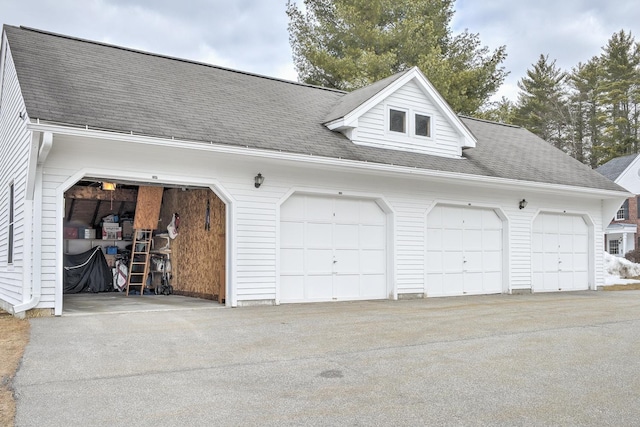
x: 585, y: 81
x: 542, y: 106
x: 620, y: 94
x: 348, y: 44
x: 502, y: 111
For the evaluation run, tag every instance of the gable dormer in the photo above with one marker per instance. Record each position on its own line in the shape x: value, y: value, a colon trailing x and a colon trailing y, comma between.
x: 402, y: 112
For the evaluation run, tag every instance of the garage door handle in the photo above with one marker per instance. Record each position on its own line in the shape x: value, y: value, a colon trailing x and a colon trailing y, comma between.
x: 335, y: 260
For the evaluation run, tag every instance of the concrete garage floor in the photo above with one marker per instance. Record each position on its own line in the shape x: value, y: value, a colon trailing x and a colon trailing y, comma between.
x: 542, y: 359
x: 84, y: 304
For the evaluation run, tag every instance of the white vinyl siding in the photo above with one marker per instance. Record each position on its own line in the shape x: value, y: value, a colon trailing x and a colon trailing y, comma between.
x: 256, y: 210
x: 14, y: 160
x: 373, y: 125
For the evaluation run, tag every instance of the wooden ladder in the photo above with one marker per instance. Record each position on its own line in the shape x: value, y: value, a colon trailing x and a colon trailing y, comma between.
x: 139, y: 264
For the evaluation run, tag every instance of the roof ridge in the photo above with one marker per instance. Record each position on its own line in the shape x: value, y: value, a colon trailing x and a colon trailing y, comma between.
x: 489, y: 121
x: 173, y: 58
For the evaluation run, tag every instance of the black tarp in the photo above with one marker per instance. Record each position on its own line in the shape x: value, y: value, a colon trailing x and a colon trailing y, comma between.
x: 87, y: 272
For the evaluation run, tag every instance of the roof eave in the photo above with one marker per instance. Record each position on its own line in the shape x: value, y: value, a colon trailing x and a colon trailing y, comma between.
x: 406, y: 171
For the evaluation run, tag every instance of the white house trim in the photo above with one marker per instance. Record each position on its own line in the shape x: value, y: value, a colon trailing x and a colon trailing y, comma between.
x: 378, y: 168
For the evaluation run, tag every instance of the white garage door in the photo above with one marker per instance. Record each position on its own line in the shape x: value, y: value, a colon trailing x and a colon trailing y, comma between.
x: 560, y: 253
x: 332, y: 248
x: 464, y: 251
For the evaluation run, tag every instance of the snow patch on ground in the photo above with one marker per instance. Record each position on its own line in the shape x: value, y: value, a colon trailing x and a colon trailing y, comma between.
x: 617, y: 269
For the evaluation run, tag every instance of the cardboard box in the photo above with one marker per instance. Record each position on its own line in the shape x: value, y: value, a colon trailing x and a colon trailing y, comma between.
x: 70, y: 233
x: 111, y: 231
x: 111, y: 260
x: 127, y: 229
x: 86, y: 233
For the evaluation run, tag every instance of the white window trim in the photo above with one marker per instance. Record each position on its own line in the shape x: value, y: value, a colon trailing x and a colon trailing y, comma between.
x: 410, y: 124
x: 620, y: 214
x: 614, y: 243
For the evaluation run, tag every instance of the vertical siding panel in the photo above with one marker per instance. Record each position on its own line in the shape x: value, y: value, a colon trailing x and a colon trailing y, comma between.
x: 14, y: 159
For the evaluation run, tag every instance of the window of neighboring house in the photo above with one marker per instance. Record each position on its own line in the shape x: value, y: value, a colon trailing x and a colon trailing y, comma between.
x: 638, y: 205
x: 10, y: 239
x: 614, y: 247
x: 397, y: 121
x: 423, y: 125
x: 623, y: 212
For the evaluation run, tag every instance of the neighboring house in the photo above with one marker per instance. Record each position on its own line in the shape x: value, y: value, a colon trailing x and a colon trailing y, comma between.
x: 621, y: 236
x: 381, y: 193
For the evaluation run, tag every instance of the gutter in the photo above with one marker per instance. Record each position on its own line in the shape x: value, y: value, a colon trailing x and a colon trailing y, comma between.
x: 33, y: 265
x: 560, y: 189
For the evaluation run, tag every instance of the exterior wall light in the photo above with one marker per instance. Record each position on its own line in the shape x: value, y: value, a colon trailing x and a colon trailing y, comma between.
x: 259, y: 179
x: 522, y: 204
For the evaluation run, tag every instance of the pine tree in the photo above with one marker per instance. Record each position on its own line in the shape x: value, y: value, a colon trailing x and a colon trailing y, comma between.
x: 348, y: 44
x: 542, y: 106
x: 585, y: 81
x: 620, y: 94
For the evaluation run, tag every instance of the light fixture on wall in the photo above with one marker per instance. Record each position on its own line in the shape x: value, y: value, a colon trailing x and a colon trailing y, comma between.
x: 522, y: 204
x: 259, y: 179
x: 109, y: 186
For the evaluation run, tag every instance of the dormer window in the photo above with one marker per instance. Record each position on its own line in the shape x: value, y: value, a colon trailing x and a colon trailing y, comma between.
x: 397, y: 121
x: 423, y: 125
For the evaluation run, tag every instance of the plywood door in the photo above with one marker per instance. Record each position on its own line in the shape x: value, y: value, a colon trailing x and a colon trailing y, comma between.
x: 148, y: 207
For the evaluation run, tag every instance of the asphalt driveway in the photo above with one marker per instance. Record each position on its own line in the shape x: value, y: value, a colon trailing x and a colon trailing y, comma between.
x: 543, y: 359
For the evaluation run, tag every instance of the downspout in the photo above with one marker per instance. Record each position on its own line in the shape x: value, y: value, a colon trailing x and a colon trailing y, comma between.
x: 34, y: 273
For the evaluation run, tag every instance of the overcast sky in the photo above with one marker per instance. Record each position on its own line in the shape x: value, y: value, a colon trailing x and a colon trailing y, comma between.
x: 251, y: 35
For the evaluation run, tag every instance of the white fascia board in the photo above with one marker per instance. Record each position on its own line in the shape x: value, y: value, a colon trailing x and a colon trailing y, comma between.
x: 377, y: 168
x: 342, y: 124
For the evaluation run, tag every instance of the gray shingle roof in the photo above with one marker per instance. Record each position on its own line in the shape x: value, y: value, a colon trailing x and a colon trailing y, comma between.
x: 353, y: 100
x: 79, y: 82
x: 614, y: 167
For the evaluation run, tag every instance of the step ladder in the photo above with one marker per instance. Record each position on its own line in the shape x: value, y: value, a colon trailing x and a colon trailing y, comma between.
x: 139, y: 263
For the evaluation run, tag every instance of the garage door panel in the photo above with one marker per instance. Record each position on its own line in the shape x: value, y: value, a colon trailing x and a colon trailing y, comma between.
x: 376, y: 286
x: 291, y: 234
x: 346, y: 287
x: 464, y: 249
x: 434, y: 262
x: 492, y: 282
x: 372, y: 236
x: 293, y: 209
x: 347, y: 261
x: 346, y: 236
x: 550, y: 242
x: 560, y: 253
x: 473, y: 282
x: 319, y: 288
x: 434, y: 239
x: 318, y: 235
x: 373, y: 262
x: 473, y: 240
x: 347, y: 211
x: 451, y: 239
x: 473, y: 261
x: 492, y: 240
x: 292, y: 288
x: 434, y: 284
x: 318, y: 261
x: 452, y: 262
x: 451, y: 217
x: 317, y: 209
x: 292, y: 261
x: 566, y: 243
x: 492, y: 261
x: 371, y: 213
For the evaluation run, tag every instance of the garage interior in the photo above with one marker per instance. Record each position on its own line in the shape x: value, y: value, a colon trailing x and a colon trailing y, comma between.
x: 102, y: 213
